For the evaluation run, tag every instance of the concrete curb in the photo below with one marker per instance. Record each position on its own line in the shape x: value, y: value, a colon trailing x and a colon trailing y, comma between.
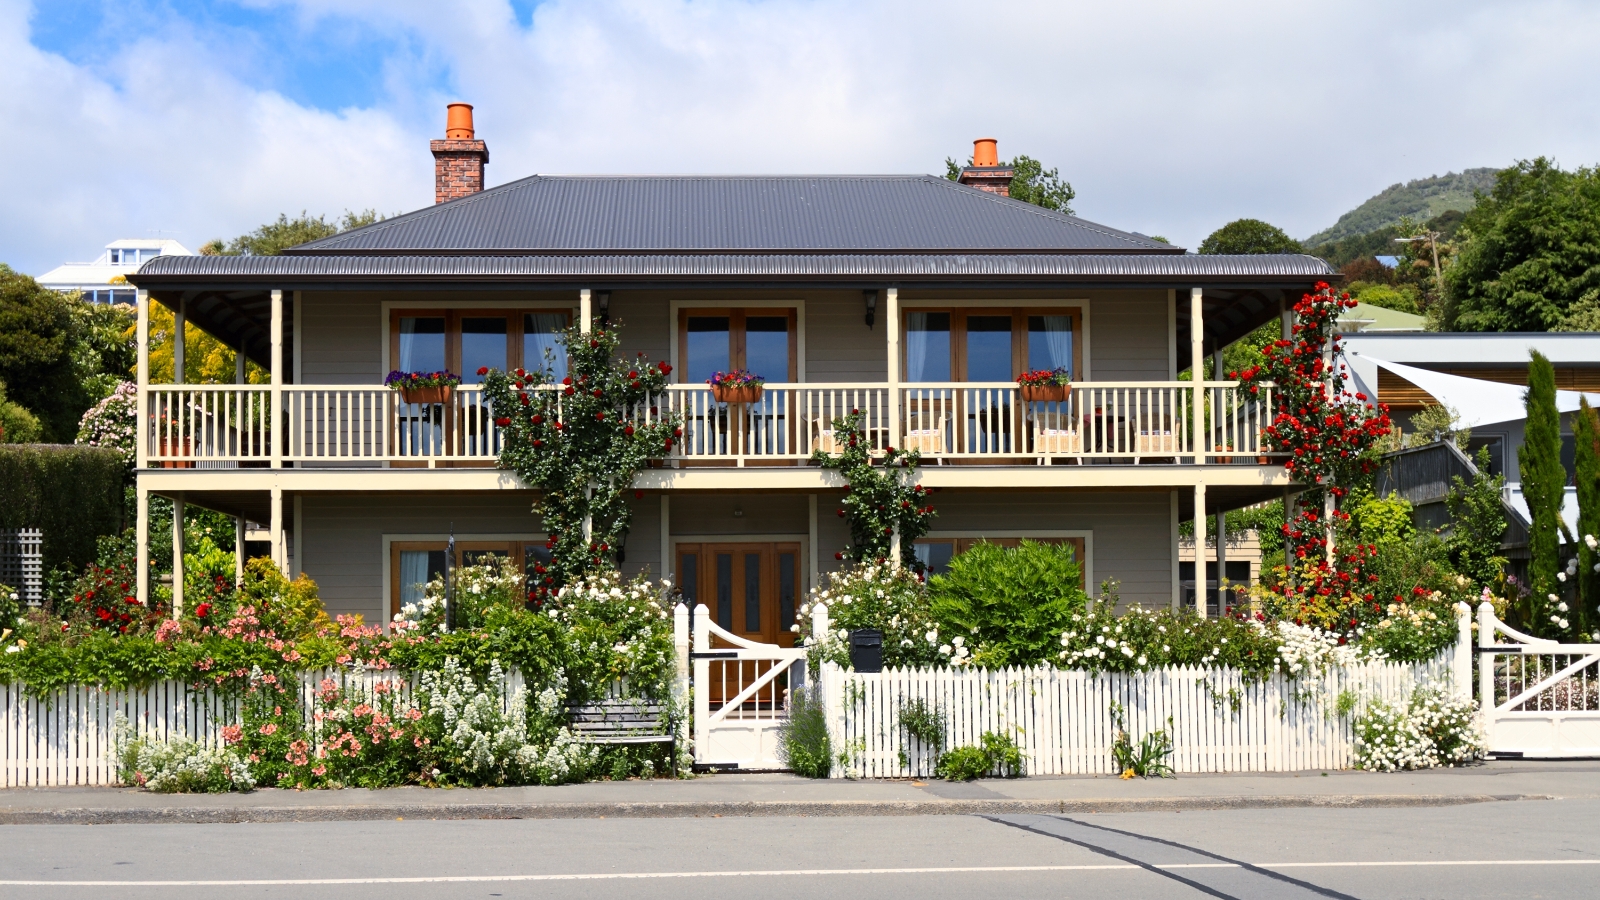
x: 730, y: 809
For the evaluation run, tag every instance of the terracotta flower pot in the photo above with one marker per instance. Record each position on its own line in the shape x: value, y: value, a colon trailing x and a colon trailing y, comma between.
x: 427, y: 395
x: 742, y: 393
x: 1224, y: 460
x: 175, y: 447
x: 1044, y: 393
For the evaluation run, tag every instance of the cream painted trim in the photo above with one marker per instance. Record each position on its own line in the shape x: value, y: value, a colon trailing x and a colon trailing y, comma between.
x: 299, y: 535
x: 391, y: 539
x: 386, y: 306
x: 299, y: 345
x: 1087, y: 535
x: 1081, y: 304
x: 799, y: 307
x: 793, y: 478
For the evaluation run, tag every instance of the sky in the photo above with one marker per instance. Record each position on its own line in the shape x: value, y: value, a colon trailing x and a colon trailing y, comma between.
x: 198, y: 119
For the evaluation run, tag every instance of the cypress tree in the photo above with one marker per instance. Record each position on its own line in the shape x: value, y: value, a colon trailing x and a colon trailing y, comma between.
x: 1586, y: 432
x: 1543, y: 484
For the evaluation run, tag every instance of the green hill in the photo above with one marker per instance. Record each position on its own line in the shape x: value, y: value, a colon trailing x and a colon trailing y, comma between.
x: 1421, y: 200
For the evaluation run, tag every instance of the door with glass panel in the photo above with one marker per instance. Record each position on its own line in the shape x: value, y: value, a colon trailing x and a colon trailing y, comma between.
x: 761, y: 341
x: 751, y: 590
x: 976, y: 346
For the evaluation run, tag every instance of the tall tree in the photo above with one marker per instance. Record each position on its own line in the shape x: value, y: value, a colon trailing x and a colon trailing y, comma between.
x: 275, y: 237
x: 1250, y: 236
x: 1586, y: 434
x: 39, y: 334
x: 1032, y: 183
x: 1544, y: 482
x: 1530, y: 254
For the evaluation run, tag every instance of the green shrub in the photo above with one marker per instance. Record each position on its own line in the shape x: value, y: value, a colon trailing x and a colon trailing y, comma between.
x: 73, y: 493
x: 803, y: 742
x: 997, y: 753
x: 1010, y: 604
x: 924, y: 721
x: 1147, y: 758
x: 895, y: 601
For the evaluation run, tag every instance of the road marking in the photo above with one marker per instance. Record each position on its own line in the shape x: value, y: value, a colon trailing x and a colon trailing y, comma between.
x: 764, y: 873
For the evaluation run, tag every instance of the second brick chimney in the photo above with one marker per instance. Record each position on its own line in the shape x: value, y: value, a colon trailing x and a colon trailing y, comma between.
x: 458, y: 160
x: 986, y: 173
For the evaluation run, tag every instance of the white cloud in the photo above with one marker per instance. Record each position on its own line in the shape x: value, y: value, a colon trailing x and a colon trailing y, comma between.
x: 1169, y: 117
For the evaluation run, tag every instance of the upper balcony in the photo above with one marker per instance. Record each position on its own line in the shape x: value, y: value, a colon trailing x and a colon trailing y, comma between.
x: 1100, y: 423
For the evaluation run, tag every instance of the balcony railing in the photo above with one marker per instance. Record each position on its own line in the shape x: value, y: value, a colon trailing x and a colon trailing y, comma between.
x: 1136, y: 422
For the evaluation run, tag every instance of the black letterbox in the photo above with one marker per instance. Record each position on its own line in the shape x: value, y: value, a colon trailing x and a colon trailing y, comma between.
x: 866, y: 650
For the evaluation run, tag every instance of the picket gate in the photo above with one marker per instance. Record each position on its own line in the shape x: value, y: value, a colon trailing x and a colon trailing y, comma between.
x: 1540, y: 698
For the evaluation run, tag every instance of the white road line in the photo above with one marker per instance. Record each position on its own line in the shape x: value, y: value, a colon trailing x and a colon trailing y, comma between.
x: 759, y: 873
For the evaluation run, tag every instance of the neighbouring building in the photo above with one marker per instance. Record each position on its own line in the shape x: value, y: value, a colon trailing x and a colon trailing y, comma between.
x: 103, y: 281
x: 913, y: 298
x: 1483, y: 378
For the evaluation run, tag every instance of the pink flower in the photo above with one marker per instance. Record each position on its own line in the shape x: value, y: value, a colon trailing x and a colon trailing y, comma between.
x: 269, y: 728
x: 232, y: 734
x: 319, y: 771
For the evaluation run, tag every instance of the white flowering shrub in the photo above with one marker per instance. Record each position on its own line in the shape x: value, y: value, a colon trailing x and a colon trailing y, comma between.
x: 110, y: 423
x: 1432, y: 729
x: 616, y: 633
x: 480, y: 591
x: 179, y: 766
x: 476, y: 738
x: 870, y: 596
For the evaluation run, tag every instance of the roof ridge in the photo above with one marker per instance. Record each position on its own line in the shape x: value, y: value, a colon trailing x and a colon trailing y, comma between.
x: 1051, y: 214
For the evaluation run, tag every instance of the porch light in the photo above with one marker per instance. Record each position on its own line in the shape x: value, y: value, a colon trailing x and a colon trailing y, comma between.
x: 603, y: 298
x: 871, y: 298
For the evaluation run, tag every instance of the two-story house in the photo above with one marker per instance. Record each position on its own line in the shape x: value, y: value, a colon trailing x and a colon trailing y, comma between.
x: 912, y: 298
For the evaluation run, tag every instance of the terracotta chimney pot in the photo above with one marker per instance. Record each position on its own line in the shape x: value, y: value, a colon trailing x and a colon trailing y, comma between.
x: 986, y: 173
x: 458, y: 122
x: 458, y: 160
x: 985, y: 151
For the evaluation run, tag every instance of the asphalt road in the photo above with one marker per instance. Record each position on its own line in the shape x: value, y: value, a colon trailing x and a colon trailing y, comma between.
x: 1525, y: 850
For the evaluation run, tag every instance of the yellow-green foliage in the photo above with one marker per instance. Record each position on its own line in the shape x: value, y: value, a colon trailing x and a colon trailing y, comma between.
x: 291, y: 607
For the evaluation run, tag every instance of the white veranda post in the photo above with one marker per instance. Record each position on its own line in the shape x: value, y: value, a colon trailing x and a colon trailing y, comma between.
x: 1200, y: 549
x: 585, y: 310
x: 892, y: 317
x: 141, y: 452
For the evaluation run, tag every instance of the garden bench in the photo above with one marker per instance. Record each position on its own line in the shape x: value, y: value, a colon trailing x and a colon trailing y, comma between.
x: 622, y: 721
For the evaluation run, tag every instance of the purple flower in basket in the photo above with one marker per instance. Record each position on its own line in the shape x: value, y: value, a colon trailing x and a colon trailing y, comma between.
x: 401, y: 381
x: 736, y: 379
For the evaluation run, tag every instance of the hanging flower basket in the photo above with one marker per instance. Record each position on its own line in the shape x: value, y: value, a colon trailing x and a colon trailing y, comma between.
x: 1045, y: 386
x: 427, y: 395
x: 423, y: 387
x: 1045, y: 393
x: 737, y: 386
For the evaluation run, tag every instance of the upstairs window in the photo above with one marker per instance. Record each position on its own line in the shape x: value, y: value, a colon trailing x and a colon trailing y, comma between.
x: 986, y: 344
x: 762, y: 341
x: 464, y: 341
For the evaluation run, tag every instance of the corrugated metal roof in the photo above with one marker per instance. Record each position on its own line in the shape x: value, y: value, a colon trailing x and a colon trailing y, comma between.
x: 690, y: 213
x: 178, y: 269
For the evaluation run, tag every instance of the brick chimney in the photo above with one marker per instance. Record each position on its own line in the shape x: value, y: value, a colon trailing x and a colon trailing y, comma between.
x: 458, y: 160
x: 986, y: 173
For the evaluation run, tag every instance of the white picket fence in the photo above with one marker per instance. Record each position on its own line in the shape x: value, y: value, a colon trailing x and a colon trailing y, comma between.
x: 69, y: 737
x: 1063, y: 720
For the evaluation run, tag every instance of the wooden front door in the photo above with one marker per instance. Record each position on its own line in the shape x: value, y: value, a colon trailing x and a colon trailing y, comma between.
x: 752, y: 590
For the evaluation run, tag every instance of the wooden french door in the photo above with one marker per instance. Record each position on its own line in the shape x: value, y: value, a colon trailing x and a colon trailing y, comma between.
x: 752, y: 589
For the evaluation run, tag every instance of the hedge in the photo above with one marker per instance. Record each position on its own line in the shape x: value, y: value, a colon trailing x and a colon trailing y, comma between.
x: 74, y: 494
